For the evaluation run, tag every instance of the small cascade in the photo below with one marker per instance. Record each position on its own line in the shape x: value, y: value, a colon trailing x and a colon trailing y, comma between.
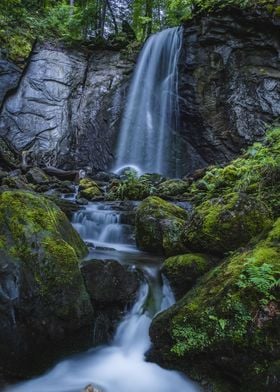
x: 148, y: 139
x: 102, y: 225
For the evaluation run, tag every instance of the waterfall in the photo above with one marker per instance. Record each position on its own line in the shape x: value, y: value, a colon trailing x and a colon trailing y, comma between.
x: 149, y: 130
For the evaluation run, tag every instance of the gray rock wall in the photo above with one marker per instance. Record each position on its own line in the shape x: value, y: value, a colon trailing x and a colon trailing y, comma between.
x: 67, y: 107
x: 9, y: 77
x: 229, y: 84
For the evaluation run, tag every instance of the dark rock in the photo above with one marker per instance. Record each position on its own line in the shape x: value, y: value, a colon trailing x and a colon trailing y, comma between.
x: 104, y: 177
x: 220, y: 225
x: 9, y: 77
x: 159, y: 226
x: 111, y: 287
x: 63, y: 175
x: 43, y: 302
x: 67, y: 108
x: 36, y: 176
x: 9, y: 158
x: 183, y: 271
x: 229, y: 83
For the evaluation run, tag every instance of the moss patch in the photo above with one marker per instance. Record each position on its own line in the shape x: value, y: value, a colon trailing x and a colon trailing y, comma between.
x: 183, y: 271
x: 230, y: 320
x: 224, y: 224
x: 159, y: 226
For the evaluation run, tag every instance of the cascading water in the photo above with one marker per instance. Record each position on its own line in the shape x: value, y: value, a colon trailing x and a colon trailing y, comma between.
x: 149, y: 131
x: 120, y: 366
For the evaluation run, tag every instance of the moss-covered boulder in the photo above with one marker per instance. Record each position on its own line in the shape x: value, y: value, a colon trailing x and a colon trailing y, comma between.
x: 172, y: 188
x: 159, y: 226
x: 226, y: 223
x: 43, y: 301
x: 227, y: 328
x: 89, y: 189
x: 183, y: 271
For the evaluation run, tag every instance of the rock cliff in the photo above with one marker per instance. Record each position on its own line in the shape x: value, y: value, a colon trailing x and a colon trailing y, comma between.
x: 67, y: 107
x: 229, y: 83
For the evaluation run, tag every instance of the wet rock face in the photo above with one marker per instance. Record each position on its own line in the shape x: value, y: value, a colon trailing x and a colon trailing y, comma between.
x: 67, y: 108
x: 9, y: 77
x: 229, y: 84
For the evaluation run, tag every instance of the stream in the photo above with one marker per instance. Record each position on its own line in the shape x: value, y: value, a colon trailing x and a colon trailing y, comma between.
x: 119, y: 366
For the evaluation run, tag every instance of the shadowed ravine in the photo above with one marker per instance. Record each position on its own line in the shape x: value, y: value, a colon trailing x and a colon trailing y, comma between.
x: 119, y: 366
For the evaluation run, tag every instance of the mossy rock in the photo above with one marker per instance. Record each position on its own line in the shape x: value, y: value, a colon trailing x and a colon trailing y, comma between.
x: 17, y: 182
x: 171, y: 188
x: 40, y: 254
x: 227, y: 326
x: 159, y: 226
x: 183, y: 271
x: 224, y: 224
x: 89, y: 189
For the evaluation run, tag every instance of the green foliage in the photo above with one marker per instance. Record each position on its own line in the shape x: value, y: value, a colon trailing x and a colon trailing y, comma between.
x: 263, y: 278
x: 185, y: 9
x: 257, y: 173
x: 131, y: 187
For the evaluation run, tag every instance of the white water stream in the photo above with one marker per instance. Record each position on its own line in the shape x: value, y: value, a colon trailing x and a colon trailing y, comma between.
x: 148, y: 135
x: 119, y: 366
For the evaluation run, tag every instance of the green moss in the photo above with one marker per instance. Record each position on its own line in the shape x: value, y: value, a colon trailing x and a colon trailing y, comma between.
x: 234, y: 309
x: 223, y: 224
x: 159, y: 226
x: 89, y: 189
x: 257, y: 173
x: 38, y: 235
x: 172, y: 188
x: 176, y: 263
x: 184, y: 270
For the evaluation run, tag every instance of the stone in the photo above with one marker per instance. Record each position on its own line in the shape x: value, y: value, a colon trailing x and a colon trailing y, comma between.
x: 67, y: 108
x: 88, y: 189
x: 43, y: 301
x: 160, y: 226
x: 183, y: 271
x: 112, y: 287
x: 37, y: 176
x: 220, y: 225
x: 173, y: 187
x: 229, y: 83
x: 9, y: 77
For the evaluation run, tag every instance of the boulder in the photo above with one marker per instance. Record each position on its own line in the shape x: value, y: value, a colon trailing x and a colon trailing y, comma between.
x: 160, y: 226
x: 37, y: 176
x: 226, y: 329
x: 183, y: 271
x: 172, y: 188
x: 112, y: 287
x: 43, y: 301
x: 226, y: 223
x: 89, y: 189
